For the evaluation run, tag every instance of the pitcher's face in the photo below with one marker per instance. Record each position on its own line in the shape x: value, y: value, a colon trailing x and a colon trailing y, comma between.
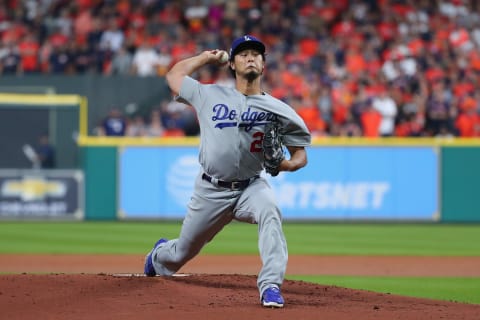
x: 248, y: 64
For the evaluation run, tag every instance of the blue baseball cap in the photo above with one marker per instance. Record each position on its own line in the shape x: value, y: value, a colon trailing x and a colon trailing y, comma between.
x: 246, y: 42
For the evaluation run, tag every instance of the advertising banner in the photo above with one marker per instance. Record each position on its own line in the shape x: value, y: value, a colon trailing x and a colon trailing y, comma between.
x: 339, y: 183
x: 39, y: 194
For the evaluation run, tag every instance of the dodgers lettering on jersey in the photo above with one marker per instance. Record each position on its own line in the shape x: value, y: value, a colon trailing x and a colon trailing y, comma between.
x: 249, y: 119
x: 232, y: 126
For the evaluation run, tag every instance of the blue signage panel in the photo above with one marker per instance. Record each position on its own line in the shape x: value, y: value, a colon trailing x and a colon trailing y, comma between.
x: 156, y: 181
x: 339, y: 183
x: 362, y: 183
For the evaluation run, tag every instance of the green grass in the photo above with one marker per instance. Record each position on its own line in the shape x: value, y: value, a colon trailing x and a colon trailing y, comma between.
x: 82, y: 237
x: 466, y: 290
x: 303, y: 238
x: 239, y: 238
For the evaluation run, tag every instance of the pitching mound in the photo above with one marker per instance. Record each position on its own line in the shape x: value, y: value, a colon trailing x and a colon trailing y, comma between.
x: 202, y: 296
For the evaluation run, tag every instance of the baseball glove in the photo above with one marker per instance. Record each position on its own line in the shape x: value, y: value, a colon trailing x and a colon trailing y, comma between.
x: 272, y: 148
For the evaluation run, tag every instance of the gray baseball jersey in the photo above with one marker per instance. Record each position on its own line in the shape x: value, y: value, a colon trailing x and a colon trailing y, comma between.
x: 231, y: 126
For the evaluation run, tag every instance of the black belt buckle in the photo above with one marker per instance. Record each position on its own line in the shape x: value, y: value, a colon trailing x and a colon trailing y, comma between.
x: 232, y: 185
x: 237, y: 185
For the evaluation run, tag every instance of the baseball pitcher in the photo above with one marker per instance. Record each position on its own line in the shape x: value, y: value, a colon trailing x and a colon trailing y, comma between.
x: 242, y: 132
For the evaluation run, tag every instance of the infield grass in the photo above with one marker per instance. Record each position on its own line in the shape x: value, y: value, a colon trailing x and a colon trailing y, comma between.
x: 303, y: 238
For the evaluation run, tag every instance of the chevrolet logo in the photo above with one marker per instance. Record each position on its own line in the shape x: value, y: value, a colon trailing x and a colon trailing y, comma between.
x: 30, y: 189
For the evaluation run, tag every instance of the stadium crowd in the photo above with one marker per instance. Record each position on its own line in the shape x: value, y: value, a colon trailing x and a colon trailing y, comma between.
x: 349, y: 67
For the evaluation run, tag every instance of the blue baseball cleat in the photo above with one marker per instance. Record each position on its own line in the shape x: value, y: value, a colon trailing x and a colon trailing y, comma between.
x: 272, y: 298
x: 148, y: 269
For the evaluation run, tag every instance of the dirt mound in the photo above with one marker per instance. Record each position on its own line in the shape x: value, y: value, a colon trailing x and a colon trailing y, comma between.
x: 202, y: 296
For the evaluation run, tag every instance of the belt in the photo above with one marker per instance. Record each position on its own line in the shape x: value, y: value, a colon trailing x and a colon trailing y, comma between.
x: 232, y: 185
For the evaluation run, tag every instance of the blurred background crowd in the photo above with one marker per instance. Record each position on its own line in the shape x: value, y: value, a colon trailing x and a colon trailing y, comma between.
x: 349, y: 67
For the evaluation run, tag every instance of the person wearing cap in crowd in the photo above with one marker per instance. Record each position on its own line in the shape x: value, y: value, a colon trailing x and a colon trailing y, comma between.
x: 229, y: 186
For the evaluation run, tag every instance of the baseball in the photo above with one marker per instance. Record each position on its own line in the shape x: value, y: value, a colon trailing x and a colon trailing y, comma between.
x: 223, y: 57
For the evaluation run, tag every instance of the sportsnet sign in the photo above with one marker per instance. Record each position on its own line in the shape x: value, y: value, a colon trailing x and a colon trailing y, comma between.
x: 344, y: 183
x: 339, y: 183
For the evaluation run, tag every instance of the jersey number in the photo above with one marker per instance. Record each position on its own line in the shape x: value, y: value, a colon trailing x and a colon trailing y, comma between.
x: 256, y: 145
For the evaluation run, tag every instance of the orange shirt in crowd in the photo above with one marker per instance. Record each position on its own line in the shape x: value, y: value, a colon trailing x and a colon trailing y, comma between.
x: 83, y: 24
x: 370, y: 120
x: 308, y: 46
x: 462, y: 89
x: 173, y: 132
x: 387, y: 30
x: 408, y: 128
x: 327, y: 13
x: 29, y: 54
x: 474, y: 57
x: 13, y: 33
x: 58, y: 39
x: 355, y: 62
x: 433, y: 74
x: 468, y: 124
x: 343, y: 28
x: 468, y: 121
x: 279, y: 92
x: 416, y: 46
x: 339, y: 113
x: 123, y: 7
x: 311, y: 116
x: 403, y: 129
x: 459, y: 37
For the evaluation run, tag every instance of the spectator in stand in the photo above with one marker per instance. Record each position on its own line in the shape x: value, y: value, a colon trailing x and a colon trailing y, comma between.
x: 350, y: 128
x: 81, y: 57
x: 173, y: 132
x: 438, y: 111
x: 112, y: 38
x: 60, y: 60
x: 155, y: 127
x: 172, y: 128
x: 206, y: 76
x: 94, y: 34
x: 29, y: 49
x: 56, y: 38
x: 224, y: 79
x: 411, y: 120
x: 15, y: 30
x: 195, y: 14
x: 310, y: 114
x: 93, y: 43
x: 137, y: 127
x: 387, y: 108
x: 164, y: 60
x: 410, y: 125
x: 190, y: 123
x: 404, y: 47
x: 174, y: 114
x: 10, y: 60
x: 145, y: 60
x: 82, y: 24
x: 64, y: 22
x: 325, y: 104
x: 370, y: 120
x: 114, y: 124
x: 121, y: 63
x: 468, y: 121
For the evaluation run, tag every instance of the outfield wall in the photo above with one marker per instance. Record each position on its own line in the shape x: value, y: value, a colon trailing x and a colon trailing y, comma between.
x: 428, y: 182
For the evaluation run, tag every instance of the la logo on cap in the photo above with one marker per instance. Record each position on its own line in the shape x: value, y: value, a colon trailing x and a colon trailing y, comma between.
x: 247, y: 38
